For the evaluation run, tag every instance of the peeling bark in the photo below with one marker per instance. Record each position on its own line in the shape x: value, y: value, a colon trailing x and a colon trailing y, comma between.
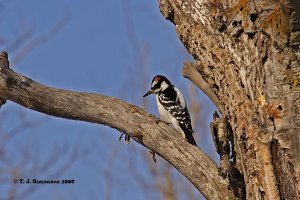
x: 247, y: 61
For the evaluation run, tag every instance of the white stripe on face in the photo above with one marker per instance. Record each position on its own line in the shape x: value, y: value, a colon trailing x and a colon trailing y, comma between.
x: 154, y: 83
x: 164, y: 86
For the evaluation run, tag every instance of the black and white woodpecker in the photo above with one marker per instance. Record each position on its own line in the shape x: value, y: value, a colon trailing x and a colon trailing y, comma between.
x: 172, y: 107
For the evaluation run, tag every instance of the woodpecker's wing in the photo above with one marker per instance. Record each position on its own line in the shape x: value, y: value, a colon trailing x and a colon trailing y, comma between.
x: 187, y: 129
x: 187, y: 125
x: 180, y: 112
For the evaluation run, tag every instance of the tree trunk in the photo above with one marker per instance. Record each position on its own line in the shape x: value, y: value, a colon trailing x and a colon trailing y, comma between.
x: 247, y: 61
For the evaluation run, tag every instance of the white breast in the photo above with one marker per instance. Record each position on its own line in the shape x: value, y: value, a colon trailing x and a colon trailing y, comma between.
x: 164, y: 114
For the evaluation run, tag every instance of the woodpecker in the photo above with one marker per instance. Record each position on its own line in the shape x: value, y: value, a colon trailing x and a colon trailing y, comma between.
x: 172, y: 107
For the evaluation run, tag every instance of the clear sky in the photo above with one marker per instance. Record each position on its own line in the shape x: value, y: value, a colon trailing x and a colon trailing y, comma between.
x: 112, y: 47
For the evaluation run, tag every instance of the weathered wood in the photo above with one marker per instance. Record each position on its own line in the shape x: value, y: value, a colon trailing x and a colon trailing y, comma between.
x: 193, y: 163
x: 248, y: 62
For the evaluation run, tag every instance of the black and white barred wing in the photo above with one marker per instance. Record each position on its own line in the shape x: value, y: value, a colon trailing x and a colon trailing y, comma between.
x: 180, y: 112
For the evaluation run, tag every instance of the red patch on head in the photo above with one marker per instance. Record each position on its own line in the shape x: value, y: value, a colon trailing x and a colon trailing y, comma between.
x: 157, y: 78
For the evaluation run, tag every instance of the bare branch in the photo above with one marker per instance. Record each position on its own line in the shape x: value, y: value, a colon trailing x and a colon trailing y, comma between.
x: 189, y: 70
x: 145, y: 128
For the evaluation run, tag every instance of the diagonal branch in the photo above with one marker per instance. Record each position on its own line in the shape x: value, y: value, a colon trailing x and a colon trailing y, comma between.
x: 189, y: 70
x: 193, y: 163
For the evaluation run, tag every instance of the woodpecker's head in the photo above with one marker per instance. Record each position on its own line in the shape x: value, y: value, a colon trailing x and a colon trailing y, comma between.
x: 159, y: 83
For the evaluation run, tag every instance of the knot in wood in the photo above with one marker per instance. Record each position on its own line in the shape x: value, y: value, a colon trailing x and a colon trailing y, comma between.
x: 276, y: 110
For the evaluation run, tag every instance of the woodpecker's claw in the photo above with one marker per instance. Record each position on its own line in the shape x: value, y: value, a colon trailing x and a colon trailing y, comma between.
x: 127, y: 138
x: 153, y: 155
x: 159, y: 120
x: 121, y: 136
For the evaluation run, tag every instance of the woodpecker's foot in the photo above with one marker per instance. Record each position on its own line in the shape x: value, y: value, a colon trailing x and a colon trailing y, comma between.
x: 153, y: 155
x: 121, y: 136
x: 127, y: 138
x: 159, y: 120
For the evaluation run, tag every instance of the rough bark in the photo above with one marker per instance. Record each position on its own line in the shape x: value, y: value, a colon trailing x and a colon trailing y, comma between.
x: 247, y: 61
x: 145, y: 128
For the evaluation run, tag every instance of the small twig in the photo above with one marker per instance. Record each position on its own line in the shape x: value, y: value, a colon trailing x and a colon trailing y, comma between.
x: 4, y: 59
x: 2, y: 102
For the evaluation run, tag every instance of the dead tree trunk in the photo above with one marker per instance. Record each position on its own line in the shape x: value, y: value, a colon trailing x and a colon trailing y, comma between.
x: 247, y: 61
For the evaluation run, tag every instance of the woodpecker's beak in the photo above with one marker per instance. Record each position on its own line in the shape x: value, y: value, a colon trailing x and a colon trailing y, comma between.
x: 149, y: 92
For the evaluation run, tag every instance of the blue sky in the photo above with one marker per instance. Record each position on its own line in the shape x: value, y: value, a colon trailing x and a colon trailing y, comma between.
x: 105, y: 46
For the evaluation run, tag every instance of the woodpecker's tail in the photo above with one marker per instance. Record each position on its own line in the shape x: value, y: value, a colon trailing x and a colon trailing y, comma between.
x: 188, y: 135
x: 191, y: 139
